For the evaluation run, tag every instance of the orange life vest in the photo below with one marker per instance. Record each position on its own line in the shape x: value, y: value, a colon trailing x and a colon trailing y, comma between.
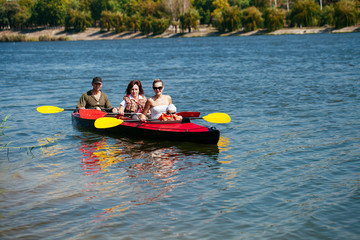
x: 165, y: 117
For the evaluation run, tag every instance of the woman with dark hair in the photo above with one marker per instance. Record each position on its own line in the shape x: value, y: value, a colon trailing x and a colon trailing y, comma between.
x: 158, y: 103
x: 134, y: 101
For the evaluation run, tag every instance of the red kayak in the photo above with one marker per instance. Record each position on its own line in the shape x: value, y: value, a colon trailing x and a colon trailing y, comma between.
x: 183, y: 130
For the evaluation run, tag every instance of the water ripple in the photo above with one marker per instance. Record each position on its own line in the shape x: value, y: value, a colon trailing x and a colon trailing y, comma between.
x: 286, y: 167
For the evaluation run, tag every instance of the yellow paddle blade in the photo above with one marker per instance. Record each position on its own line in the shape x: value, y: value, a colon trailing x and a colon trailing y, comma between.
x: 217, y: 118
x: 107, y: 122
x: 49, y: 109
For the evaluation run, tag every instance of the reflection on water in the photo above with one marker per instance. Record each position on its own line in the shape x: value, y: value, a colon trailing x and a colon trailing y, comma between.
x: 138, y: 172
x: 48, y: 147
x: 292, y: 145
x: 224, y: 146
x: 98, y: 156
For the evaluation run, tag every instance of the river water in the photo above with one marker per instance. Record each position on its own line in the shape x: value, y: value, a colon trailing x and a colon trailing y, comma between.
x: 286, y: 167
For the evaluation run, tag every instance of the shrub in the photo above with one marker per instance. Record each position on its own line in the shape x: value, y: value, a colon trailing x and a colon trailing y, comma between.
x: 345, y: 13
x: 228, y: 20
x: 327, y: 16
x: 77, y: 20
x: 160, y: 25
x: 304, y: 13
x: 119, y: 21
x: 45, y: 38
x: 134, y: 22
x: 252, y: 19
x: 48, y: 38
x: 145, y: 26
x: 274, y: 19
x: 106, y: 20
x: 13, y: 38
x: 190, y: 19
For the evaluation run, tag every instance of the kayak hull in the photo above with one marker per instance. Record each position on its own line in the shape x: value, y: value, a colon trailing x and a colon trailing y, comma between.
x: 168, y: 131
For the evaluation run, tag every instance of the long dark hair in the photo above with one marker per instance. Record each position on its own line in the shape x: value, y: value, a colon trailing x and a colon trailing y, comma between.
x: 131, y: 84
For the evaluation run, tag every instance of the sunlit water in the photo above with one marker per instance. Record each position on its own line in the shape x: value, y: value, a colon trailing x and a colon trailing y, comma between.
x: 286, y: 167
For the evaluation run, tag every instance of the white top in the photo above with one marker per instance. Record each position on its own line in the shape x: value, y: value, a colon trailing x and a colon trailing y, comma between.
x: 157, y: 111
x: 123, y: 102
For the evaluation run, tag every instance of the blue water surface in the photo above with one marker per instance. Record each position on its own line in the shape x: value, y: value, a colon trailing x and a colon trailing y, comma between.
x: 286, y: 167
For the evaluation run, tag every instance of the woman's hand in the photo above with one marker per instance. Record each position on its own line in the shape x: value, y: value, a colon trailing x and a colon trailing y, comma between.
x: 142, y: 118
x: 121, y: 110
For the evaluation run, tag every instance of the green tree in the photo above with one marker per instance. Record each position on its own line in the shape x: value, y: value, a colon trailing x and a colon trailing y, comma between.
x: 219, y: 6
x: 327, y: 16
x: 205, y: 8
x: 10, y: 10
x: 252, y: 19
x: 77, y: 20
x: 98, y: 6
x: 305, y: 13
x: 130, y: 7
x: 232, y: 18
x: 159, y: 25
x: 346, y: 13
x: 190, y: 19
x: 119, y: 21
x: 134, y: 22
x: 273, y: 19
x: 22, y: 18
x: 228, y: 20
x: 106, y: 20
x: 50, y: 12
x: 145, y: 26
x: 240, y: 3
x: 4, y: 21
x: 260, y: 4
x: 151, y: 8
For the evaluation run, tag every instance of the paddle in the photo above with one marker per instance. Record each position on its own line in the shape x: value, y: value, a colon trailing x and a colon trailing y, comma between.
x: 53, y: 109
x: 109, y: 122
x: 91, y: 113
x: 215, y: 118
x: 188, y: 114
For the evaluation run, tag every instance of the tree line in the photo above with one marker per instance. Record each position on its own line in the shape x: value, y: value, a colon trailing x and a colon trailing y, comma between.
x: 155, y: 16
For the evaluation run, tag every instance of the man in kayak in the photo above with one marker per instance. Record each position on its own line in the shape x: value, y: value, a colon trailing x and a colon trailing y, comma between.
x: 95, y: 98
x: 170, y: 114
x: 158, y: 103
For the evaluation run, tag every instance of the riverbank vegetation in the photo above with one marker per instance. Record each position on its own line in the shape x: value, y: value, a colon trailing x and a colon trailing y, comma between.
x: 156, y: 16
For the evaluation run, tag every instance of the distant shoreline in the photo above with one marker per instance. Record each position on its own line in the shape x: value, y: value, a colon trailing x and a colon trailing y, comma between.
x: 58, y: 34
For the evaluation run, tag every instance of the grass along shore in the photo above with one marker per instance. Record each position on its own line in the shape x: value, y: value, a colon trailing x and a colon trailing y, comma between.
x: 59, y: 34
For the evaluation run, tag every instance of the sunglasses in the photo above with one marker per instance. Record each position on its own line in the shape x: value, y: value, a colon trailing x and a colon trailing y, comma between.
x: 171, y: 113
x: 158, y: 88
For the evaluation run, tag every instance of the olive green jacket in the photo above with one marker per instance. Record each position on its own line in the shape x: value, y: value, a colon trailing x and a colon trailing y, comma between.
x: 87, y: 100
